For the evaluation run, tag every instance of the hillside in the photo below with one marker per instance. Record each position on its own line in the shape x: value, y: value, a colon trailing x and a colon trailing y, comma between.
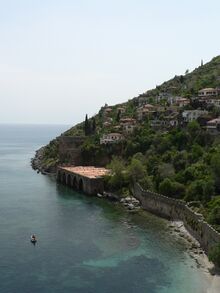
x: 167, y: 139
x: 188, y: 85
x: 207, y: 75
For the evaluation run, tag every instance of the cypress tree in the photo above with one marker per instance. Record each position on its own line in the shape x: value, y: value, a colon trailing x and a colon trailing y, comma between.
x: 118, y: 116
x: 93, y: 125
x: 86, y: 126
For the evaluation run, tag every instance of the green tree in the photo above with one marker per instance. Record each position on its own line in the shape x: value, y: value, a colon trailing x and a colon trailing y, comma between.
x: 180, y: 160
x: 165, y: 187
x: 171, y: 188
x: 93, y: 125
x: 116, y: 180
x: 196, y: 153
x: 147, y: 183
x: 214, y: 255
x: 181, y: 139
x: 215, y: 163
x: 214, y: 216
x: 193, y: 128
x: 214, y: 211
x: 136, y: 170
x: 202, y: 189
x: 215, y: 166
x: 118, y: 117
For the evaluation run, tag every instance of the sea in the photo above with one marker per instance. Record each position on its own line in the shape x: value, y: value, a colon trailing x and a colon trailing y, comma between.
x: 85, y: 244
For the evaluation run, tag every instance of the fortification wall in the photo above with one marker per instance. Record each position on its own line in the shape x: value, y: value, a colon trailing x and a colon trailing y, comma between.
x: 70, y: 149
x: 174, y: 209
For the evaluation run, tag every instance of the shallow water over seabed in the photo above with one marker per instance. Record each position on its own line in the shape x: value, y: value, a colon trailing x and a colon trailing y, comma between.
x: 84, y: 244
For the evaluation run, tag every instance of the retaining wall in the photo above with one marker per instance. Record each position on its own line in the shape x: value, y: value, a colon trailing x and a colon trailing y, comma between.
x: 174, y: 209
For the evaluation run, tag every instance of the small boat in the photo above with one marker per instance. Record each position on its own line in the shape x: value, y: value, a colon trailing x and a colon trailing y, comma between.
x: 33, y: 239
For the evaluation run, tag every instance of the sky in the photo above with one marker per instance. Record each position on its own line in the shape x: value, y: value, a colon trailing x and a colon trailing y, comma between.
x: 60, y: 60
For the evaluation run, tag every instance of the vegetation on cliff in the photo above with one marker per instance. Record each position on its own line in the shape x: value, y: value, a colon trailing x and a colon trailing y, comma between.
x: 180, y: 161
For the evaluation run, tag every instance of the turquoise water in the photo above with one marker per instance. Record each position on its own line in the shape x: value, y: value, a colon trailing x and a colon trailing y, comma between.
x: 85, y: 244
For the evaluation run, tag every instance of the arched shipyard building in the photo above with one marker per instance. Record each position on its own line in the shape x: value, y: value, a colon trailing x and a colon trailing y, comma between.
x: 87, y: 179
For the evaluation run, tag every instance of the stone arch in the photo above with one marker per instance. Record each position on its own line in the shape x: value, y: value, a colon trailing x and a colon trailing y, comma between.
x: 81, y: 187
x: 68, y: 180
x: 59, y: 176
x: 74, y: 183
x: 63, y: 178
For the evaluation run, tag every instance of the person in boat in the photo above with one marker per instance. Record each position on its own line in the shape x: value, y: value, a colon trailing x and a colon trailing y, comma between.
x: 33, y: 237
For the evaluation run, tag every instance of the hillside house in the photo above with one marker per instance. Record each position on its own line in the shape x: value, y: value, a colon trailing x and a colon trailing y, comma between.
x: 117, y: 127
x: 157, y: 124
x: 121, y: 110
x: 128, y: 125
x: 191, y: 115
x: 172, y: 120
x: 107, y: 124
x: 145, y: 111
x: 182, y: 102
x: 111, y: 138
x: 214, y: 102
x: 208, y: 92
x: 213, y: 126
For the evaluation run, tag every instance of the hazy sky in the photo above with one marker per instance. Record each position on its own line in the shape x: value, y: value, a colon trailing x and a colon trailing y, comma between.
x: 62, y: 59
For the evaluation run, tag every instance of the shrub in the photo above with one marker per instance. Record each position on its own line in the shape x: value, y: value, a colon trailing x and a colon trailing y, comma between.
x: 202, y: 190
x: 171, y: 188
x: 214, y: 255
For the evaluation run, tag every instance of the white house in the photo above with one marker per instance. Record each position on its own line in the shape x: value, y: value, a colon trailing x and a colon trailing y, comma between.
x: 191, y: 115
x: 214, y: 102
x: 111, y: 138
x: 208, y: 92
x: 213, y: 126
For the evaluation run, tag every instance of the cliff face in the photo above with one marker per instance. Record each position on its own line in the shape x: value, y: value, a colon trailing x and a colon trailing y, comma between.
x: 62, y: 150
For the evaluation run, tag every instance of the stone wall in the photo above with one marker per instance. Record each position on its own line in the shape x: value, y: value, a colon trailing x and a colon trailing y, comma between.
x: 174, y: 209
x: 70, y: 149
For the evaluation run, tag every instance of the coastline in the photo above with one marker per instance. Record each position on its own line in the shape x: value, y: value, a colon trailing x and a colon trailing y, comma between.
x: 177, y: 228
x: 38, y: 166
x: 195, y: 252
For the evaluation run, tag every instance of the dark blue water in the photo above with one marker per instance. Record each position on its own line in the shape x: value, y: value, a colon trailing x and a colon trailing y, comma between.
x: 85, y: 245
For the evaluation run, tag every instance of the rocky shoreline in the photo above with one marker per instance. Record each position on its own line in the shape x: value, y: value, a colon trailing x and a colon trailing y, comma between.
x: 197, y: 253
x: 37, y: 163
x: 178, y: 230
x: 129, y: 202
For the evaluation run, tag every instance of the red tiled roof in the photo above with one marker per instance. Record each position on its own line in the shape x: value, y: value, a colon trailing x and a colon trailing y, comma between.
x: 87, y: 171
